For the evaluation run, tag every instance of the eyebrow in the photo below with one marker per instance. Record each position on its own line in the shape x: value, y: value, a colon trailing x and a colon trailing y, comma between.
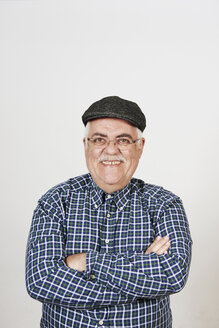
x: 105, y: 136
x: 98, y: 135
x: 125, y: 135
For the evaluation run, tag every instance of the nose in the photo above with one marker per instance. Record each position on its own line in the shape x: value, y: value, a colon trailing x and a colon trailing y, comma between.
x: 111, y: 147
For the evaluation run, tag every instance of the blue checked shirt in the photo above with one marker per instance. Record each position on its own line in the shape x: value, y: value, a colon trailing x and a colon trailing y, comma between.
x: 122, y: 286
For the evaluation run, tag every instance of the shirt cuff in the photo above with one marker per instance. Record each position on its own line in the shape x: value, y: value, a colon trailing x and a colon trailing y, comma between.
x: 97, y: 266
x: 91, y: 258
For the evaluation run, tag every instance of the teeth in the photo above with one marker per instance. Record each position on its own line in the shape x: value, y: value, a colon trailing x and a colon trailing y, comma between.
x: 111, y: 163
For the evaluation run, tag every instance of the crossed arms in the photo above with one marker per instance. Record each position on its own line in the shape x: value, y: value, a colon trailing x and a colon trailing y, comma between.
x: 159, y: 246
x: 95, y: 279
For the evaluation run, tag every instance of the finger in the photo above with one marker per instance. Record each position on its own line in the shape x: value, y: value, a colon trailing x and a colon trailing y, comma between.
x: 150, y: 248
x: 163, y: 249
x: 157, y: 244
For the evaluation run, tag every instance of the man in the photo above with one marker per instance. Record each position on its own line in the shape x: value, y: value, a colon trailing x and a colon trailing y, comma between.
x: 105, y: 249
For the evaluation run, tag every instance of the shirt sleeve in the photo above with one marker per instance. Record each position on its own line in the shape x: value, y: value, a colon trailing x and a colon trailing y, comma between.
x: 151, y: 275
x: 49, y: 279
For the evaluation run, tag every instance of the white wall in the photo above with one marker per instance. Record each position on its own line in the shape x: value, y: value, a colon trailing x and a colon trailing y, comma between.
x: 56, y: 58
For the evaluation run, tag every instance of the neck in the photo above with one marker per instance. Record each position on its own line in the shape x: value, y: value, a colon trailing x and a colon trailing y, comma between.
x: 109, y: 189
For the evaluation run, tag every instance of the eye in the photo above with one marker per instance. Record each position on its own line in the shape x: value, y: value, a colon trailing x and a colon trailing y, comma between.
x: 123, y: 141
x: 99, y: 141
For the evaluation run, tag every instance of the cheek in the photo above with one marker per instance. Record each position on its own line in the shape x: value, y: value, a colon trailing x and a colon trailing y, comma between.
x: 132, y: 157
x: 133, y: 160
x: 92, y: 157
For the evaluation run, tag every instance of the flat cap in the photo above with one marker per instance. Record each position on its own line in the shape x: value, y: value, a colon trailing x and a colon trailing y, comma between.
x: 116, y: 107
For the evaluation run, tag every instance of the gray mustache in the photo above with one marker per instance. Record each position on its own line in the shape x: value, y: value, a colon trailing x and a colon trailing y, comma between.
x: 111, y: 158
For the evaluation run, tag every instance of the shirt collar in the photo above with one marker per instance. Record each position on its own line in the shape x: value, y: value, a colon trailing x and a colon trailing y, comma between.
x: 120, y: 197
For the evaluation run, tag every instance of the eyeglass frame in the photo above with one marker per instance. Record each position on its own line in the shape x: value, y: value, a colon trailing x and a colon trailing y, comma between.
x: 113, y: 140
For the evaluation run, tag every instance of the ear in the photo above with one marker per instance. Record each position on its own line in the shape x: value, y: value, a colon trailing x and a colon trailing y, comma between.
x: 142, y: 146
x: 85, y: 143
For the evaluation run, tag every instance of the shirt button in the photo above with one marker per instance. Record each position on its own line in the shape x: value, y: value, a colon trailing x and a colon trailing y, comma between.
x: 92, y: 276
x: 95, y: 205
x: 107, y: 241
x: 108, y: 215
x: 101, y: 322
x: 109, y: 196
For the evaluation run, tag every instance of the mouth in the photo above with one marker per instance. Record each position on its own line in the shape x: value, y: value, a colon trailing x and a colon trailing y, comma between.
x: 111, y: 162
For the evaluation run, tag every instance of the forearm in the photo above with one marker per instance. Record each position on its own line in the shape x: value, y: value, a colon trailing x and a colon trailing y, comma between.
x: 53, y: 282
x: 140, y: 275
x: 50, y: 280
x: 149, y: 275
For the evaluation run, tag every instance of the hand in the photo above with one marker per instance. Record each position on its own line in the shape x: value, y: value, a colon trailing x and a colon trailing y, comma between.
x: 159, y: 246
x: 76, y: 261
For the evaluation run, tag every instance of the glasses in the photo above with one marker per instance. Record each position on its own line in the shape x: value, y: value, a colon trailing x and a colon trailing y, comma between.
x: 102, y: 142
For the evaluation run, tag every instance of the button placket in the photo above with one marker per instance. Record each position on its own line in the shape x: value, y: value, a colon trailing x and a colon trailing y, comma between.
x: 107, y: 241
x: 107, y: 231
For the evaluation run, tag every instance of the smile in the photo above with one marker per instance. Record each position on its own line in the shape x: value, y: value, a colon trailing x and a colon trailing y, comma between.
x: 111, y: 162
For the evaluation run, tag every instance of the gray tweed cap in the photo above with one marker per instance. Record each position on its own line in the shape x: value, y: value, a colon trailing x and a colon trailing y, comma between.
x: 116, y: 107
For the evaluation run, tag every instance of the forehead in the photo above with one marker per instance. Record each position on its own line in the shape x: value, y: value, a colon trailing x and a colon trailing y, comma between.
x: 112, y: 126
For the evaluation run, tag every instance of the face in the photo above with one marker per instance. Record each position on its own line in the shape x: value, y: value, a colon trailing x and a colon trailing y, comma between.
x: 110, y: 167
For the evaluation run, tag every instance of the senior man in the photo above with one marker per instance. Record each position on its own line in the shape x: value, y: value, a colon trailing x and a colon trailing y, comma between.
x: 106, y: 249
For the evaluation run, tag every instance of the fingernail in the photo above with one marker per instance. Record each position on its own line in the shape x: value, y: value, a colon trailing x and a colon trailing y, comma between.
x: 166, y: 237
x: 158, y: 238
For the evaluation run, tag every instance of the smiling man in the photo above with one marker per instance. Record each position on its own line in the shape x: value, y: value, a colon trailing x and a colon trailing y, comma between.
x: 112, y: 156
x: 106, y: 249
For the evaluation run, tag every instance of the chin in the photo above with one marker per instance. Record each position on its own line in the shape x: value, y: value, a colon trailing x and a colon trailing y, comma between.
x: 111, y: 182
x: 110, y: 178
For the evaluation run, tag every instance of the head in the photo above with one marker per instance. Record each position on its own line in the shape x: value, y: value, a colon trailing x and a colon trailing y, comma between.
x: 108, y: 120
x: 111, y: 165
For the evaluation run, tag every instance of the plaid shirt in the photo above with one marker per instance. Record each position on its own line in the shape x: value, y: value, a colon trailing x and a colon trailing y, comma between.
x: 121, y: 287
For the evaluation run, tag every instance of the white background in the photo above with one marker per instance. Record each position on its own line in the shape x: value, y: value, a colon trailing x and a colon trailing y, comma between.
x: 56, y: 58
